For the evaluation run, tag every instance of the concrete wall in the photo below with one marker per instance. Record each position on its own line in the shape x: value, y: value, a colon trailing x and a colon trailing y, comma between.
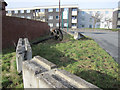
x: 14, y: 28
x: 40, y: 73
x: 23, y: 52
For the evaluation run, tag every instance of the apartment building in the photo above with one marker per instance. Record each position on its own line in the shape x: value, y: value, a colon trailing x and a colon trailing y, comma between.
x: 50, y: 14
x: 116, y: 17
x: 95, y: 18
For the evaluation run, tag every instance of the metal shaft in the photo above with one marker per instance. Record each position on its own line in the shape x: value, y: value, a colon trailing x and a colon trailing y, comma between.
x: 59, y: 14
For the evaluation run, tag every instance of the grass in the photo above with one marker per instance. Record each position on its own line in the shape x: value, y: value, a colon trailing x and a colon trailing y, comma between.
x: 10, y: 76
x: 83, y: 58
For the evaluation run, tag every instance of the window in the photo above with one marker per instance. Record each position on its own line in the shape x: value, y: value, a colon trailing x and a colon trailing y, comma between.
x: 73, y: 24
x: 91, y: 12
x: 105, y: 25
x: 90, y: 20
x: 28, y: 17
x: 82, y: 12
x: 9, y: 12
x: 22, y: 16
x: 65, y: 24
x: 28, y: 11
x: 57, y: 9
x: 37, y: 10
x: 50, y: 17
x: 106, y: 12
x: 74, y: 9
x: 74, y: 17
x: 83, y: 26
x: 65, y: 9
x: 16, y: 11
x: 57, y: 24
x: 22, y: 11
x: 42, y: 10
x: 50, y: 24
x: 90, y: 26
x: 57, y: 17
x: 98, y: 12
x: 83, y: 19
x: 50, y: 10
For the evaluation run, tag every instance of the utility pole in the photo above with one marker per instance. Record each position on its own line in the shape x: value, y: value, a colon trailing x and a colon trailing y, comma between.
x: 59, y: 14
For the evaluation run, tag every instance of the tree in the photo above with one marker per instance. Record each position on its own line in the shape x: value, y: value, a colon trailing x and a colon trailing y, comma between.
x: 96, y: 18
x: 108, y: 21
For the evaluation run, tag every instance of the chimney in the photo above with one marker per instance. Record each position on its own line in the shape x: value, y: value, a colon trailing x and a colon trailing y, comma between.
x: 3, y: 4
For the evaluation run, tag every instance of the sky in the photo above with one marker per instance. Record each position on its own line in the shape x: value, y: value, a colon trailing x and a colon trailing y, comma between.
x: 83, y: 4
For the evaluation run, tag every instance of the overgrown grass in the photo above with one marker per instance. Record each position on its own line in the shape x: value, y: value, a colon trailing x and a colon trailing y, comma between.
x: 10, y: 76
x: 83, y: 58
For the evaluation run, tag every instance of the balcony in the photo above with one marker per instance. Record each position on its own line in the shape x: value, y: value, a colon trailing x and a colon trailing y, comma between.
x: 8, y: 14
x: 74, y: 27
x: 74, y: 20
x: 118, y: 22
x: 118, y: 15
x: 74, y: 13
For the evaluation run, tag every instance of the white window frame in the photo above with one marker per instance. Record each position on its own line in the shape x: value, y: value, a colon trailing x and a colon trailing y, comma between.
x: 65, y: 24
x: 42, y: 10
x: 57, y: 9
x: 50, y: 24
x: 9, y: 11
x: 50, y: 18
x: 57, y: 24
x: 22, y: 11
x: 28, y: 11
x: 50, y: 10
x: 28, y: 17
x: 22, y: 16
x: 16, y: 11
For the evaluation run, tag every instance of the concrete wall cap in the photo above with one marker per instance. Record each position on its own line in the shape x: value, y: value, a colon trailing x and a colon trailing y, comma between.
x: 45, y: 63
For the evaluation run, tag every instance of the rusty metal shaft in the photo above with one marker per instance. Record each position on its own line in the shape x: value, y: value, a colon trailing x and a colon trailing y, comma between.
x: 59, y: 14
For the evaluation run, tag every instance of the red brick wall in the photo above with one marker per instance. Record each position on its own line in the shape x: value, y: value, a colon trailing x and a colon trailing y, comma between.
x: 14, y: 28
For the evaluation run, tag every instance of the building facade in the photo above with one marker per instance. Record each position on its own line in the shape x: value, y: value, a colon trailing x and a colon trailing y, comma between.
x: 71, y: 16
x: 49, y: 14
x: 95, y: 18
x: 116, y: 17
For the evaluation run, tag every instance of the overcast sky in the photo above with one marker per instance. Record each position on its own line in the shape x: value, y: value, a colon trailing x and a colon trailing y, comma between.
x: 82, y: 3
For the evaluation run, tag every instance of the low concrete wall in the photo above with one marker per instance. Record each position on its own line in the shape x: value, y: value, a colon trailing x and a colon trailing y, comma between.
x: 32, y: 68
x: 40, y: 73
x: 23, y: 52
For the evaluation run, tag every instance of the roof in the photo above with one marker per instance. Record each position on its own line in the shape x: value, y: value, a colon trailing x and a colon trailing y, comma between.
x: 46, y: 7
x: 98, y: 9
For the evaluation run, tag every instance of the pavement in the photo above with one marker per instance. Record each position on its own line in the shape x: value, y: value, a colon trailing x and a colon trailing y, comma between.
x: 106, y: 39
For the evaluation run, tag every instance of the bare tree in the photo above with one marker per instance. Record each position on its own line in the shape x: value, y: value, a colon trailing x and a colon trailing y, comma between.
x: 96, y: 18
x: 108, y: 21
